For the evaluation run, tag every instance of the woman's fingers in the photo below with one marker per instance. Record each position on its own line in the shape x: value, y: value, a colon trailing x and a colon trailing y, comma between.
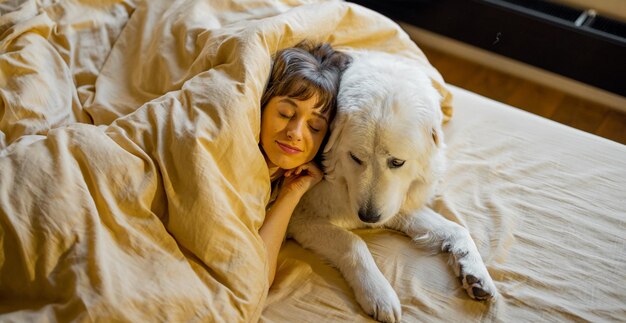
x: 309, y: 168
x: 300, y: 168
x: 296, y: 171
x: 314, y: 169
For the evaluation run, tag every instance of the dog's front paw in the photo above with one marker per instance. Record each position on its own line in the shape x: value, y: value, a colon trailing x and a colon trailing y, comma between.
x: 475, y: 278
x: 380, y: 301
x: 478, y: 288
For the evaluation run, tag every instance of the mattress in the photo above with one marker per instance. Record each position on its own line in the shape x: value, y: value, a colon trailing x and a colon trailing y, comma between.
x: 545, y: 204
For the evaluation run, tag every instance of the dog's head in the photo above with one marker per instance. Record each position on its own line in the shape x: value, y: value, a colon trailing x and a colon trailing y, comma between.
x: 386, y: 146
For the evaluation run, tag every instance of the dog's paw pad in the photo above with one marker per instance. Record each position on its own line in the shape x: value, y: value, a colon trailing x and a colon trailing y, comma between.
x: 480, y: 293
x: 471, y: 279
x: 475, y: 288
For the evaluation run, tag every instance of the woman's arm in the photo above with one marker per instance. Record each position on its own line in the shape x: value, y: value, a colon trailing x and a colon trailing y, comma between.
x: 275, y: 226
x: 297, y: 181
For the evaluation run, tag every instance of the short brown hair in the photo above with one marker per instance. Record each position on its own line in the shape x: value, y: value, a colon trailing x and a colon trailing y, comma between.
x: 304, y: 70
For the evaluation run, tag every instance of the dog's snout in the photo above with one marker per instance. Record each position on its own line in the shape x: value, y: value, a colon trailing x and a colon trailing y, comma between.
x: 369, y: 214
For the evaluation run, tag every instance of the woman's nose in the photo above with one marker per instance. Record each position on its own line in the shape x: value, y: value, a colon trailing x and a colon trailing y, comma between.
x: 294, y: 130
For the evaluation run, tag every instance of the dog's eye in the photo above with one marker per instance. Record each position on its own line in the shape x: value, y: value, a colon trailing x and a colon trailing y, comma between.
x: 396, y: 163
x: 358, y: 161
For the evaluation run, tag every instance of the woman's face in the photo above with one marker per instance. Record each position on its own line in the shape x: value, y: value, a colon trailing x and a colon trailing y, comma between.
x: 292, y: 131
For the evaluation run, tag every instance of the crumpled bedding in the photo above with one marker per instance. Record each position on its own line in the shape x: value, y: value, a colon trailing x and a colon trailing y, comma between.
x: 545, y: 204
x: 131, y: 183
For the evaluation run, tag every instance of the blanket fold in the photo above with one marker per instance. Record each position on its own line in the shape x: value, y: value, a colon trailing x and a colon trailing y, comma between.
x: 131, y: 183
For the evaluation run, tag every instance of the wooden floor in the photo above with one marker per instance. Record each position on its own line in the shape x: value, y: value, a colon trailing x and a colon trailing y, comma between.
x: 547, y: 102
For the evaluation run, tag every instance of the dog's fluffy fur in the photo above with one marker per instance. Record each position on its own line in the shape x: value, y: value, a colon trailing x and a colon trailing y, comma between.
x: 383, y: 161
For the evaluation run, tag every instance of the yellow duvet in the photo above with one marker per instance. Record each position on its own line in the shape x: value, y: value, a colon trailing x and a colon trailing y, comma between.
x: 131, y: 183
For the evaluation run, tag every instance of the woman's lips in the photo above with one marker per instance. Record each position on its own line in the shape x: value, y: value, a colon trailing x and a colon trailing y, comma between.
x: 288, y: 149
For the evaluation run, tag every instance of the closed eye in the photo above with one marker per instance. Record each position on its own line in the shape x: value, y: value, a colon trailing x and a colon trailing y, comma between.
x: 358, y: 161
x: 314, y: 129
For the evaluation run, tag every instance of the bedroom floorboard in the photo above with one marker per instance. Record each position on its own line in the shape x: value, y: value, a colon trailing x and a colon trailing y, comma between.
x: 538, y: 99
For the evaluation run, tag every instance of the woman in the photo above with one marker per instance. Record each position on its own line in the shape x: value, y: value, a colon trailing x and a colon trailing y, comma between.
x: 298, y: 106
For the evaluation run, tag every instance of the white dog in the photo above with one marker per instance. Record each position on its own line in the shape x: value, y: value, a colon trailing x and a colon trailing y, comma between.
x: 383, y: 161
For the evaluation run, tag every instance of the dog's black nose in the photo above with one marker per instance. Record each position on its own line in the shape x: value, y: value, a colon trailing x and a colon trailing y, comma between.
x: 369, y: 215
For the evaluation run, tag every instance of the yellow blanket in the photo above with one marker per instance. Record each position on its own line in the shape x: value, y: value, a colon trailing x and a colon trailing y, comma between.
x: 131, y: 183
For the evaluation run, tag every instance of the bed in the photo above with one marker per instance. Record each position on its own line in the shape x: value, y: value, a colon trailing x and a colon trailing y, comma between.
x: 132, y: 187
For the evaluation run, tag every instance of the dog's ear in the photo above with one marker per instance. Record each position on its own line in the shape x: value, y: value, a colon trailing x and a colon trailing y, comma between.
x: 335, y: 131
x: 329, y: 159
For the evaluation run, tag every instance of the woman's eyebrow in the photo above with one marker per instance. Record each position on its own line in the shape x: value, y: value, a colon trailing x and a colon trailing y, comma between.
x: 321, y: 116
x: 289, y: 101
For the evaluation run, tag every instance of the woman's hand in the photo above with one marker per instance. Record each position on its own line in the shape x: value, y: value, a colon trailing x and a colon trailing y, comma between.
x: 296, y: 182
x: 300, y: 179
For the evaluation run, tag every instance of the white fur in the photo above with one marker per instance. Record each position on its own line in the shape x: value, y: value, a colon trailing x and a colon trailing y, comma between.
x: 387, y: 109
